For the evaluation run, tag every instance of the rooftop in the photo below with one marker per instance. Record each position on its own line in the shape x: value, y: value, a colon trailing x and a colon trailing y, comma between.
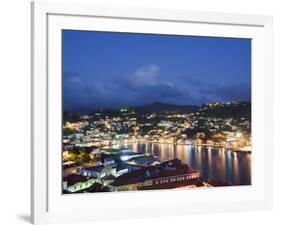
x: 96, y: 187
x: 74, y: 178
x: 94, y: 168
x: 165, y: 169
x: 197, y: 182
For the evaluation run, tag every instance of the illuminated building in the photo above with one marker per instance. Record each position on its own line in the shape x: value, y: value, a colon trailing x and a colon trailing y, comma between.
x: 75, y: 182
x: 169, y: 174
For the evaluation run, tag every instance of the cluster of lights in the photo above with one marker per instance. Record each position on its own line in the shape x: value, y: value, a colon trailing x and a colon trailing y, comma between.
x: 123, y: 110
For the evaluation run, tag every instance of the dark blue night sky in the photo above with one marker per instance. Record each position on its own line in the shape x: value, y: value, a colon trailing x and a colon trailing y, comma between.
x: 110, y: 70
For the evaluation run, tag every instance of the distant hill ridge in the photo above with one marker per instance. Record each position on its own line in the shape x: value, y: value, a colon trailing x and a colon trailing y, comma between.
x: 235, y: 111
x: 158, y: 107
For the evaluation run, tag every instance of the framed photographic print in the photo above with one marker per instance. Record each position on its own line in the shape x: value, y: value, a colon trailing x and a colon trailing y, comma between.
x: 142, y: 112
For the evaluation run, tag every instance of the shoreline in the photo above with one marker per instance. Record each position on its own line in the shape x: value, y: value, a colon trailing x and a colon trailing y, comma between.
x: 197, y: 145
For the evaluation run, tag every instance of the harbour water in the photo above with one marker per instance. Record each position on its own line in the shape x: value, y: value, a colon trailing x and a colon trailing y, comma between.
x: 213, y: 163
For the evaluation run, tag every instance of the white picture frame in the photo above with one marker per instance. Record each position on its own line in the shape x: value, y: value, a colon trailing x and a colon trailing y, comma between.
x: 48, y: 205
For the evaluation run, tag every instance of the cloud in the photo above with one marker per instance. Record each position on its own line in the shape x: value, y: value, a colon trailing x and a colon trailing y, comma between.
x: 145, y: 76
x: 192, y: 82
x: 148, y: 86
x: 144, y: 85
x: 147, y: 80
x: 82, y: 93
x: 240, y: 91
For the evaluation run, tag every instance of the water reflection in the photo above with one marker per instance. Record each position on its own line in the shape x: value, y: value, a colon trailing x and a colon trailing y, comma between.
x: 213, y: 163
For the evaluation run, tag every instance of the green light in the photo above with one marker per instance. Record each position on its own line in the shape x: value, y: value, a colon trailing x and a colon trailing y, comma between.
x: 123, y: 110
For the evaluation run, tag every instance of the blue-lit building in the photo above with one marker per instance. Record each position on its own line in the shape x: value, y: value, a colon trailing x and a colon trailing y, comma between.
x: 97, y: 172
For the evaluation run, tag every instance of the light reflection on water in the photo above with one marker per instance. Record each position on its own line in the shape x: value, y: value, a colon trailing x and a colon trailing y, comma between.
x: 213, y: 163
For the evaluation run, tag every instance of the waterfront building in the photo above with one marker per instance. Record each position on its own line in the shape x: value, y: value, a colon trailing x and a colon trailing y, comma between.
x: 108, y: 180
x: 120, y: 169
x: 65, y: 154
x: 96, y: 172
x: 94, y: 153
x: 169, y: 174
x: 75, y: 183
x: 124, y: 156
x: 70, y: 167
x: 109, y: 162
x: 144, y: 160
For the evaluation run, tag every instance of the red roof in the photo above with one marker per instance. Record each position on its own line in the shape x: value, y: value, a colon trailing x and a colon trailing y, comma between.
x: 196, y: 181
x: 166, y: 169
